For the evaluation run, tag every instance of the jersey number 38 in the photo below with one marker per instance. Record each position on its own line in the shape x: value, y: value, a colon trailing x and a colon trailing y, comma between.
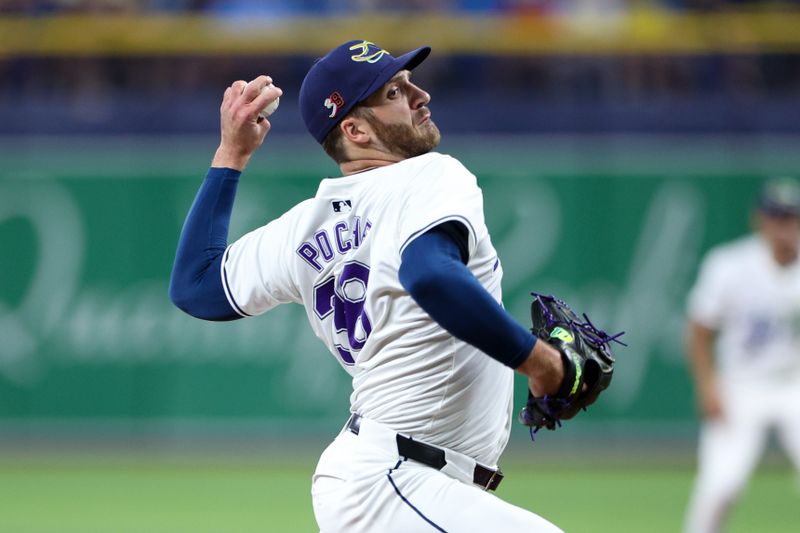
x: 344, y: 296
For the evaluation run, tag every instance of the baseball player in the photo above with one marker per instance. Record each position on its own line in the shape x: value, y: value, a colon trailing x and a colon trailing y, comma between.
x: 745, y: 310
x: 398, y: 276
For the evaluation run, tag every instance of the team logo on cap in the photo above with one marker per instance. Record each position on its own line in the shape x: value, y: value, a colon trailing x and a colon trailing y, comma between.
x: 334, y: 102
x: 370, y: 55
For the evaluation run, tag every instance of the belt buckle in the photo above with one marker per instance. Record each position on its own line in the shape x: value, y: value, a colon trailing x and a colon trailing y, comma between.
x: 494, y: 480
x: 490, y: 482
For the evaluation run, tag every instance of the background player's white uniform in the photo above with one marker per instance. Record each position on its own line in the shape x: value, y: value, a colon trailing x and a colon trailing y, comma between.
x: 338, y: 254
x: 754, y: 305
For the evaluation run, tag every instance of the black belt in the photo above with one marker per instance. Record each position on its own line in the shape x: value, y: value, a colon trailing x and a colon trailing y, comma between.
x: 434, y: 457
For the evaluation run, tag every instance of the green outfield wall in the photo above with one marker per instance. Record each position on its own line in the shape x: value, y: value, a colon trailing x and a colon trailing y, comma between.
x: 88, y: 230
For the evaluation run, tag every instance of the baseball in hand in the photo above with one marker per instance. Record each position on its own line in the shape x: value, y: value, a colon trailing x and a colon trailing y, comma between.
x: 271, y: 107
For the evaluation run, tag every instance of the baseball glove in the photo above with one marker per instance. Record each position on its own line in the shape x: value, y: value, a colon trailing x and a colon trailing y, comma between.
x: 588, y: 362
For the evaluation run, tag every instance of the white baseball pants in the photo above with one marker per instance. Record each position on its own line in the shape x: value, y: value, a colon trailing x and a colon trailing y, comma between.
x: 730, y: 448
x: 363, y: 485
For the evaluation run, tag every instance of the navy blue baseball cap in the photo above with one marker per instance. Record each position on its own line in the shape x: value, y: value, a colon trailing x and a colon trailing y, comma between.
x: 780, y: 197
x: 347, y: 75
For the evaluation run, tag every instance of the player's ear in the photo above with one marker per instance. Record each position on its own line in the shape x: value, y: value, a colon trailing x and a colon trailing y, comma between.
x: 356, y: 130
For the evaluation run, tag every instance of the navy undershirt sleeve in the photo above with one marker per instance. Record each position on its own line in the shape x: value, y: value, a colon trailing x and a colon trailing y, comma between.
x: 434, y: 273
x: 196, y: 285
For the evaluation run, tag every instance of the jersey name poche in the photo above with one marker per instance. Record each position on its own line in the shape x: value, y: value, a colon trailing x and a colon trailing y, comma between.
x: 754, y: 305
x: 338, y: 254
x: 342, y: 239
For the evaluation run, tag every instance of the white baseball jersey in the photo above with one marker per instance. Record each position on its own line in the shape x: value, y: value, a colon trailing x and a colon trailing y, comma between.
x: 754, y: 304
x: 338, y: 254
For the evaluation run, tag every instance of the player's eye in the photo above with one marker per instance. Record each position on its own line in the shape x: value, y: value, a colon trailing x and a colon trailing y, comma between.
x: 393, y: 92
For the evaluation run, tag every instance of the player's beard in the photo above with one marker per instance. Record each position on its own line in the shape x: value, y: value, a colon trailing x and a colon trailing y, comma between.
x: 406, y: 140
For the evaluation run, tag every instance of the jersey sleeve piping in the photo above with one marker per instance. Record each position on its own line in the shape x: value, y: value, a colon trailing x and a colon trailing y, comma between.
x: 459, y: 218
x: 226, y: 286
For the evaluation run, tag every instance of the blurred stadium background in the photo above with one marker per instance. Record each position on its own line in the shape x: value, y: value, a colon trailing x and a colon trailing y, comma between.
x: 615, y: 140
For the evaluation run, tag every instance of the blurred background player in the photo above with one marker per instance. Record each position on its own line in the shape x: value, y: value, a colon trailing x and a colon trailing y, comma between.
x: 744, y: 349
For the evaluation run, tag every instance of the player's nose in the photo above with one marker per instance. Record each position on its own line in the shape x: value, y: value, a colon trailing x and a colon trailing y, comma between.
x: 420, y: 98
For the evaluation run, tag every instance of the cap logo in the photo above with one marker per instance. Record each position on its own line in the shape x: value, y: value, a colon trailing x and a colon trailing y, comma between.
x: 334, y: 102
x: 365, y: 54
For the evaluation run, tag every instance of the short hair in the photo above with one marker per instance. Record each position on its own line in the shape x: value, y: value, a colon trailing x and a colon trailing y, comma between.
x: 332, y: 143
